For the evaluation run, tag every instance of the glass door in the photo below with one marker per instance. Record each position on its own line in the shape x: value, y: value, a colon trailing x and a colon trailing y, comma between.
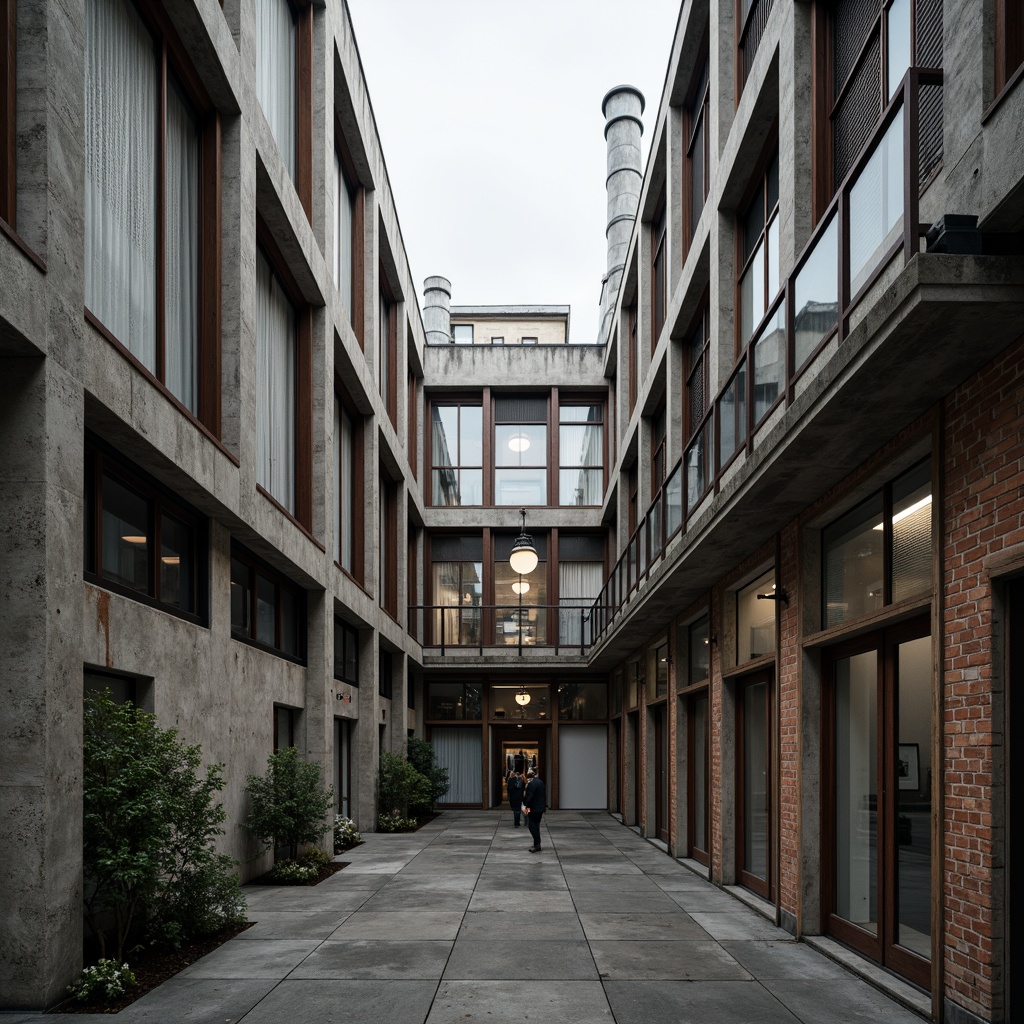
x: 878, y: 798
x: 754, y: 807
x: 661, y: 773
x: 698, y: 791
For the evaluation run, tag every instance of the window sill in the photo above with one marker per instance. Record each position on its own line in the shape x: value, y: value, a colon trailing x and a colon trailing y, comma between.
x: 267, y: 649
x: 1000, y: 96
x: 295, y: 522
x: 98, y: 583
x: 889, y: 615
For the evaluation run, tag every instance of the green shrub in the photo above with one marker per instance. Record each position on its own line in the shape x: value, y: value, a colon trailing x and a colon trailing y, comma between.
x: 150, y: 828
x: 108, y: 980
x: 398, y: 786
x: 395, y: 823
x: 289, y: 804
x: 422, y: 758
x: 291, y: 872
x: 345, y: 834
x: 314, y: 857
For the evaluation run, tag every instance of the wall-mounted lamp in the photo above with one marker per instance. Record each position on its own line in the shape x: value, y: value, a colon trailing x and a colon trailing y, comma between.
x: 522, y: 698
x: 777, y: 594
x: 711, y: 640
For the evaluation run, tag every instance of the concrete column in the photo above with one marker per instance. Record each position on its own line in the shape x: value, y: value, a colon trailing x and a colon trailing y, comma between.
x: 437, y: 317
x: 41, y: 462
x: 622, y: 107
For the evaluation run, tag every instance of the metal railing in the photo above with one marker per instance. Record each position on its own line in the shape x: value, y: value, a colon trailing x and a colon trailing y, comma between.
x: 502, y: 626
x: 865, y: 226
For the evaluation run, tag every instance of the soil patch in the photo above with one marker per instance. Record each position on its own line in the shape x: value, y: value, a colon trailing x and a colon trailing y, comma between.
x: 152, y: 968
x: 325, y: 872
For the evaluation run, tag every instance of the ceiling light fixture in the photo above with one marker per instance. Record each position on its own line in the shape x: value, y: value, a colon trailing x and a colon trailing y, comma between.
x: 522, y: 698
x: 519, y: 442
x: 524, y: 557
x: 520, y: 587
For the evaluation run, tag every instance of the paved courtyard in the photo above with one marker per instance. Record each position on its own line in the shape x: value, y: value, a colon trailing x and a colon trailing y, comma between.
x: 460, y: 923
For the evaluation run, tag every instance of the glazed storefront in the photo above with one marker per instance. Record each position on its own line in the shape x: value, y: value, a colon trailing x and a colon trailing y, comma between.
x: 483, y: 730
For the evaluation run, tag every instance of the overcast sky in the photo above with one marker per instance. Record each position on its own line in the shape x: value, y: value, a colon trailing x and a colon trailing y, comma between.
x: 489, y: 114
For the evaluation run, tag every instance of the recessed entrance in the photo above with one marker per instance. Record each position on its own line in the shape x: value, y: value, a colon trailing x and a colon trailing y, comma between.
x: 518, y: 749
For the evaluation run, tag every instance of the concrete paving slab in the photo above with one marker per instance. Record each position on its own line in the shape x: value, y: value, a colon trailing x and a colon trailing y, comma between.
x: 524, y: 881
x: 591, y: 902
x: 538, y: 926
x: 640, y: 960
x: 197, y: 1001
x: 709, y: 1002
x: 512, y: 1002
x: 611, y: 883
x: 707, y: 900
x: 404, y: 882
x: 771, y: 960
x: 292, y: 925
x: 406, y: 924
x: 313, y: 899
x: 841, y: 1001
x: 739, y: 924
x: 345, y: 1002
x: 263, y: 958
x: 540, y: 902
x: 358, y: 879
x: 686, y: 882
x: 641, y: 926
x: 411, y: 899
x: 381, y: 959
x: 489, y: 960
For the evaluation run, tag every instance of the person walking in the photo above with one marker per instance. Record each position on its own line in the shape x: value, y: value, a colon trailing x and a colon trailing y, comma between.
x: 535, y: 806
x: 515, y: 795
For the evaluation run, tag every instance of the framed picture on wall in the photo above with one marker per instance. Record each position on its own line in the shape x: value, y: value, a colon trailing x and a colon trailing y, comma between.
x: 908, y: 766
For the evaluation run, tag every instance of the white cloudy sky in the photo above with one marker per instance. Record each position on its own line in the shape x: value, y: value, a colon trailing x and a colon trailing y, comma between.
x: 489, y: 114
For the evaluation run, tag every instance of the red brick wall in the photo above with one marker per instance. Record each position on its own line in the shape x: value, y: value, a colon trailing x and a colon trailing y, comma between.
x: 789, y: 722
x: 983, y: 511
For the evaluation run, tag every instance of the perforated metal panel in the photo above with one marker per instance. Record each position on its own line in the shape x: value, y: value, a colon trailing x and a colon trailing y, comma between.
x: 520, y: 409
x: 928, y: 33
x: 858, y: 112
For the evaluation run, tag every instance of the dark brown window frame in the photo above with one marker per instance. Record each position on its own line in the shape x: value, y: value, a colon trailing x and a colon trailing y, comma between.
x: 355, y: 507
x: 258, y: 567
x: 350, y: 636
x: 1009, y: 47
x: 387, y: 585
x: 700, y: 854
x: 387, y: 348
x: 764, y: 887
x: 412, y: 418
x: 102, y: 460
x: 631, y: 362
x: 755, y: 21
x: 386, y: 680
x: 303, y: 514
x: 569, y: 398
x: 291, y: 715
x: 174, y: 60
x: 701, y: 324
x: 659, y: 270
x: 456, y: 401
x: 357, y: 193
x: 697, y: 111
x: 8, y: 112
x: 491, y: 467
x: 659, y: 448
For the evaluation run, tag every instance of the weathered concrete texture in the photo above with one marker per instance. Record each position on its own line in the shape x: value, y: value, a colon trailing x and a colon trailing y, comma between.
x: 422, y: 966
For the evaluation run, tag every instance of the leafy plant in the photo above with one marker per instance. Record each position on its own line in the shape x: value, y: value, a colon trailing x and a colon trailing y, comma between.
x: 345, y: 834
x: 423, y: 759
x: 291, y: 872
x: 395, y: 823
x: 107, y: 980
x: 398, y: 786
x: 290, y: 803
x: 150, y: 829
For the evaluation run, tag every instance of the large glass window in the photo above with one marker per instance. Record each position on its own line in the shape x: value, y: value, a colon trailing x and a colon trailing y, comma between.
x: 520, y: 613
x: 149, y: 283
x: 699, y: 651
x: 457, y: 584
x: 510, y: 702
x: 456, y: 454
x: 659, y: 273
x: 277, y: 38
x: 755, y: 619
x: 346, y: 652
x: 276, y: 349
x: 348, y: 494
x: 453, y: 701
x: 759, y: 251
x: 580, y: 578
x: 657, y: 683
x: 581, y: 454
x: 266, y: 609
x: 387, y: 346
x: 520, y: 450
x: 139, y: 541
x: 344, y: 233
x: 897, y: 519
x: 581, y: 702
x: 1009, y: 40
x: 697, y: 147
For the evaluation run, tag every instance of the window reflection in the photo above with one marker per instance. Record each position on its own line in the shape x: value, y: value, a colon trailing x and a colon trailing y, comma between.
x: 125, y: 536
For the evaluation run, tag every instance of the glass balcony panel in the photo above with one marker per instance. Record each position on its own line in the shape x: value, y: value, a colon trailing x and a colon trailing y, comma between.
x: 770, y: 364
x: 732, y: 414
x: 816, y: 295
x: 674, y: 502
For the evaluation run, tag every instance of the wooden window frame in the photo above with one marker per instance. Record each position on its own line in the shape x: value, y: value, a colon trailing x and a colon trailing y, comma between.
x: 757, y: 189
x: 257, y: 567
x: 387, y: 585
x: 701, y: 324
x: 631, y: 326
x: 764, y: 887
x: 8, y: 112
x: 303, y: 398
x: 566, y: 399
x: 412, y: 419
x: 385, y: 657
x: 699, y: 854
x: 659, y: 448
x: 491, y: 468
x: 102, y: 460
x: 1009, y: 46
x: 173, y: 60
x: 459, y: 402
x: 355, y: 508
x: 697, y: 110
x: 350, y: 636
x: 291, y: 714
x: 387, y: 349
x: 659, y: 271
x: 350, y: 182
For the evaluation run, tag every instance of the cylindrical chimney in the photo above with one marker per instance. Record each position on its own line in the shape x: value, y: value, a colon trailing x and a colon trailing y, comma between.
x: 437, y: 317
x: 622, y: 107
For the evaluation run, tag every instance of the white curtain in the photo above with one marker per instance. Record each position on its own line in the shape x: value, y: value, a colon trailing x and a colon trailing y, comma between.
x: 275, y: 387
x: 579, y: 583
x: 181, y: 249
x: 276, y: 44
x: 461, y: 752
x: 121, y: 99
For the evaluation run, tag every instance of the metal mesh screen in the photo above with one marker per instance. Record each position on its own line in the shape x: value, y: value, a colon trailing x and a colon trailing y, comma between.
x: 520, y: 409
x: 857, y: 113
x: 754, y: 31
x: 928, y: 31
x: 852, y: 21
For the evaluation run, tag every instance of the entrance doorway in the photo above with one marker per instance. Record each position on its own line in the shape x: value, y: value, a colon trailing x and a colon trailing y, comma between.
x: 519, y: 750
x: 878, y: 798
x: 661, y: 773
x: 753, y: 783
